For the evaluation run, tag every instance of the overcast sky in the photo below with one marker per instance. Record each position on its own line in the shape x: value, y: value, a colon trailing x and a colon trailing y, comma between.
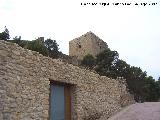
x: 133, y: 31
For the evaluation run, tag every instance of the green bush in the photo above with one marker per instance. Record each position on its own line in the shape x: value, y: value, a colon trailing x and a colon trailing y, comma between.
x: 88, y: 61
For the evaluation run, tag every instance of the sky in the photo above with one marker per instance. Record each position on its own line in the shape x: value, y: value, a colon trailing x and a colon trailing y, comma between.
x: 132, y: 30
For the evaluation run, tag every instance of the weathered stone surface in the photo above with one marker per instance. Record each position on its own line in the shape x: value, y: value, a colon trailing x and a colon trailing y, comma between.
x: 25, y: 87
x: 88, y: 43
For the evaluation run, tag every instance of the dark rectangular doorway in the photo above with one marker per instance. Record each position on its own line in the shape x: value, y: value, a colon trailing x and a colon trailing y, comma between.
x: 60, y: 102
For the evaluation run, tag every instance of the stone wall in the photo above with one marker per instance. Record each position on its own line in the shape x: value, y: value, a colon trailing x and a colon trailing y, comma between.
x: 88, y: 43
x: 25, y: 87
x: 70, y: 59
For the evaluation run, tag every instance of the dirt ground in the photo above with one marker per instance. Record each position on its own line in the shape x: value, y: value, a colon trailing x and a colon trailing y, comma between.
x: 139, y: 111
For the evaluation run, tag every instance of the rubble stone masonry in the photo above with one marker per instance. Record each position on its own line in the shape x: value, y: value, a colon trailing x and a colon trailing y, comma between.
x: 25, y: 87
x: 88, y: 43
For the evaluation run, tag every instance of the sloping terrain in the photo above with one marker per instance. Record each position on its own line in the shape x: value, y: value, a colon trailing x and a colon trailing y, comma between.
x: 139, y: 111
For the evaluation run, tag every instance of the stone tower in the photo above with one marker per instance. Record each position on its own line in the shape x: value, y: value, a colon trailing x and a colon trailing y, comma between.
x: 88, y: 43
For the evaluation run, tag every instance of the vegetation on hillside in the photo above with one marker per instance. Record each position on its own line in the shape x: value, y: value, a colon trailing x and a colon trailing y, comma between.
x: 143, y: 87
x: 107, y: 63
x: 48, y: 47
x: 88, y: 61
x: 5, y: 34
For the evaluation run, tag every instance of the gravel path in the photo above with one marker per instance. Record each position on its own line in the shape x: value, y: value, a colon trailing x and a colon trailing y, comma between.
x: 139, y: 111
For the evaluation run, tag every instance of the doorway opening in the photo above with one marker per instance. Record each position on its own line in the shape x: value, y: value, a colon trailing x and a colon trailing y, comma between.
x: 60, y: 101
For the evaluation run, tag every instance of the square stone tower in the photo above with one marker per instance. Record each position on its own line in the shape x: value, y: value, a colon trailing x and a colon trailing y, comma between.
x: 88, y: 43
